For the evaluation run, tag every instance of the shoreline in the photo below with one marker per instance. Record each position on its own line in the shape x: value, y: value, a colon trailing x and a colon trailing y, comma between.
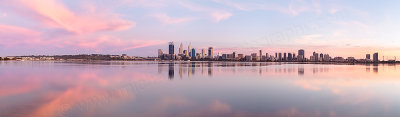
x: 285, y: 62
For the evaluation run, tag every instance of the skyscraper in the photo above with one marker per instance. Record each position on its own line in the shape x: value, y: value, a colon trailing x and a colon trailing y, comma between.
x: 290, y: 57
x: 368, y: 56
x: 376, y: 57
x: 203, y: 53
x: 189, y: 49
x: 315, y: 56
x: 260, y: 54
x: 181, y: 49
x: 210, y: 52
x: 160, y: 53
x: 193, y: 53
x: 171, y: 48
x: 284, y: 56
x: 280, y: 57
x: 301, y: 55
x: 321, y: 57
x: 185, y: 52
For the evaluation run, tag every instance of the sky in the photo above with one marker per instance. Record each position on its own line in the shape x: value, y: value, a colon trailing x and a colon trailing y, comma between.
x: 140, y: 27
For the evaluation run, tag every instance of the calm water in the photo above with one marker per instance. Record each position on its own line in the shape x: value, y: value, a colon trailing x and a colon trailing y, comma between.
x: 197, y: 89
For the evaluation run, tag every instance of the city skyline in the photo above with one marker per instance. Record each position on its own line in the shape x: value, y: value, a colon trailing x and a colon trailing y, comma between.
x: 192, y: 54
x: 301, y: 54
x: 138, y: 27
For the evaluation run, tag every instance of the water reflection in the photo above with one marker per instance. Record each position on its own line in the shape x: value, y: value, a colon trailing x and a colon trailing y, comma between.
x: 300, y: 70
x: 171, y: 71
x: 263, y: 69
x: 52, y: 89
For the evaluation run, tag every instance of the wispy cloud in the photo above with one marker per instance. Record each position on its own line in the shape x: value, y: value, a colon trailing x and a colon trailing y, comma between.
x: 55, y: 14
x: 163, y: 17
x: 218, y: 16
x: 13, y: 35
x: 294, y: 7
x: 215, y: 14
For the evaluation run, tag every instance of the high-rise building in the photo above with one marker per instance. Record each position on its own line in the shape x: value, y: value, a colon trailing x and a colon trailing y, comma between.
x: 181, y: 49
x: 276, y: 55
x: 254, y: 56
x: 284, y: 56
x: 376, y: 57
x: 210, y: 52
x: 171, y: 48
x: 203, y: 53
x: 260, y: 53
x: 315, y: 55
x: 327, y: 57
x: 266, y: 54
x: 160, y: 53
x: 280, y: 57
x: 193, y: 53
x: 301, y: 55
x: 185, y: 52
x: 234, y: 55
x: 240, y: 56
x: 290, y: 57
x: 368, y: 56
x: 189, y: 49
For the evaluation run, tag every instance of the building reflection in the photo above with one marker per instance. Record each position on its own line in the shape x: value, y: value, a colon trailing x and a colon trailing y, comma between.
x: 210, y: 68
x: 193, y: 68
x: 180, y: 71
x: 300, y: 70
x: 171, y: 71
x: 375, y: 68
x: 189, y: 69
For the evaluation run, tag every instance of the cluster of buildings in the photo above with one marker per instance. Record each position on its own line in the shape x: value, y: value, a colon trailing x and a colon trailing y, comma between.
x: 193, y: 54
x: 189, y: 54
x: 80, y: 57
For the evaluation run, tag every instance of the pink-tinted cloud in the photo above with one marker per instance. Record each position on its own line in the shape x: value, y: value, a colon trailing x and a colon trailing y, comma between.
x: 147, y: 3
x: 295, y: 7
x: 12, y: 35
x: 18, y: 37
x: 163, y: 17
x: 218, y: 16
x: 215, y: 14
x: 56, y: 15
x: 105, y: 43
x: 298, y: 6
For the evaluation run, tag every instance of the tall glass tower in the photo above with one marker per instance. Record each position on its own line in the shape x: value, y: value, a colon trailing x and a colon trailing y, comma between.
x: 171, y: 48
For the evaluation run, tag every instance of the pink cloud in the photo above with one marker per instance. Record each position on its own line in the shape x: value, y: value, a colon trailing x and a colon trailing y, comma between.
x: 215, y: 14
x: 55, y: 14
x: 294, y: 8
x: 169, y: 20
x: 18, y: 37
x: 11, y: 35
x: 105, y: 43
x: 147, y: 3
x: 218, y: 16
